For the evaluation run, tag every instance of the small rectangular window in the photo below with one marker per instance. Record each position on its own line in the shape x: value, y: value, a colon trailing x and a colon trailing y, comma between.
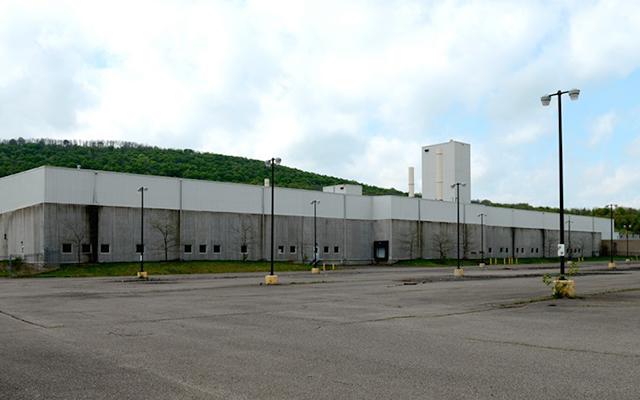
x: 536, y: 249
x: 280, y: 249
x: 66, y: 248
x: 202, y: 248
x: 86, y: 248
x: 532, y: 250
x: 105, y: 248
x: 243, y: 249
x: 506, y: 250
x: 517, y: 249
x: 490, y: 250
x: 138, y: 248
x: 522, y: 250
x: 326, y: 249
x: 187, y: 248
x: 336, y: 249
x: 292, y: 249
x: 216, y: 248
x: 500, y: 249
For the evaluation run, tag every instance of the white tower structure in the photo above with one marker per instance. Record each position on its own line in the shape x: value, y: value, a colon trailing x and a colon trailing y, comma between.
x: 443, y: 165
x: 412, y: 186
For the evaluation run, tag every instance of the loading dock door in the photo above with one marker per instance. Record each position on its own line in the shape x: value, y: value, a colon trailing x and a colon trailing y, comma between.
x: 381, y: 250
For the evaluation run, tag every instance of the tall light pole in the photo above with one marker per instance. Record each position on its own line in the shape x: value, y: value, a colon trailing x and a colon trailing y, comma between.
x: 482, y: 215
x: 612, y: 265
x: 272, y: 162
x: 573, y: 95
x: 142, y: 274
x: 458, y: 271
x: 315, y: 241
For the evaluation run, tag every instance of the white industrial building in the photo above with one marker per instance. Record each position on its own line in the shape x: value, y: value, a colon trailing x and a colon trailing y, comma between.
x: 51, y: 215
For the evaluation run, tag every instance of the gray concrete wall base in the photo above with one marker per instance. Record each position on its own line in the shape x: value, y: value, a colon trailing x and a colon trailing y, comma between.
x: 64, y: 233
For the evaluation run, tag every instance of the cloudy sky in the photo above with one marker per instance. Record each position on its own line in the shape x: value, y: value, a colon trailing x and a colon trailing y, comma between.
x: 345, y: 88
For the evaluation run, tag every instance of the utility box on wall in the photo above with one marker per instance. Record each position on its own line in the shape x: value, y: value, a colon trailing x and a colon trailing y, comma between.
x: 381, y: 250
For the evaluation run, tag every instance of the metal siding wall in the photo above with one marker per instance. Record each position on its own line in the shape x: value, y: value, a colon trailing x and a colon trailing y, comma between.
x: 22, y: 190
x: 381, y: 207
x: 359, y: 207
x: 437, y: 211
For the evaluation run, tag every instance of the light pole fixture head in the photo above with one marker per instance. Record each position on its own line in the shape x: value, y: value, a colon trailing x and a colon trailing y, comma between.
x: 546, y: 100
x: 142, y: 188
x: 273, y: 161
x: 574, y: 93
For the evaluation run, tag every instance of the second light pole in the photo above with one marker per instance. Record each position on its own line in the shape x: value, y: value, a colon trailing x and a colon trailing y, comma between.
x: 315, y: 269
x: 612, y: 265
x: 272, y: 278
x: 482, y: 215
x: 142, y: 274
x: 458, y: 271
x: 627, y: 227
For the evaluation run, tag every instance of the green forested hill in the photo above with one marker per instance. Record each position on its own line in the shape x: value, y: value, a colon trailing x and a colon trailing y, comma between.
x: 18, y: 155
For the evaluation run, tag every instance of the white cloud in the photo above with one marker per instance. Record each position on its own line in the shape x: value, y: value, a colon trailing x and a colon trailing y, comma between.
x: 344, y: 88
x: 602, y: 128
x: 602, y: 183
x: 524, y: 134
x: 633, y: 149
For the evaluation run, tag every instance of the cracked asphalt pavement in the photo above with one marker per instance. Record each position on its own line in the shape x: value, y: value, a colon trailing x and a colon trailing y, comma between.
x: 361, y: 333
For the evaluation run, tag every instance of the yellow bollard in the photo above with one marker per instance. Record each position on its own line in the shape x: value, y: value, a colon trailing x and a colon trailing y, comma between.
x: 324, y: 267
x: 333, y: 267
x: 504, y: 261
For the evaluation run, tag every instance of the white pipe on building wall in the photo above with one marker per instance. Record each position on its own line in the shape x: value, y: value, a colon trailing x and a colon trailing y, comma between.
x: 412, y: 186
x: 439, y: 176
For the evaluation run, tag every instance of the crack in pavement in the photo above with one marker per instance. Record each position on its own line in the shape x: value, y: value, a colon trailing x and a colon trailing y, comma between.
x: 26, y: 321
x: 567, y: 349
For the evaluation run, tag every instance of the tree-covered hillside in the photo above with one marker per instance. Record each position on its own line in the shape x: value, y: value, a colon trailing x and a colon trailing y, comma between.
x: 18, y: 155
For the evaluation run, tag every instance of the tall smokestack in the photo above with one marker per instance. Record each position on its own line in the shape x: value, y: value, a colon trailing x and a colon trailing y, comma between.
x: 412, y: 185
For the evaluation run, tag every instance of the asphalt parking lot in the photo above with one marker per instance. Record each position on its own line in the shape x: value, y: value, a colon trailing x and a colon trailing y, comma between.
x: 365, y: 333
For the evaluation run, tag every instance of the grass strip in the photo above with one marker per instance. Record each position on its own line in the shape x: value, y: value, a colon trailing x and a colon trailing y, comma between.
x: 169, y: 268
